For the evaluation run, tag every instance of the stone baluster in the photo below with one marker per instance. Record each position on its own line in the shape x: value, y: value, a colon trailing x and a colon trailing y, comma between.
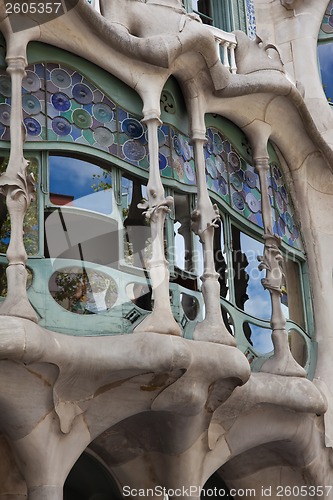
x: 161, y: 319
x: 18, y: 188
x: 282, y: 362
x: 233, y: 65
x: 212, y: 328
x: 226, y: 63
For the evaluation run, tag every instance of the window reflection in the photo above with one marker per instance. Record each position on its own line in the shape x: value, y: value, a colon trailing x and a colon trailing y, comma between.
x: 220, y: 260
x: 81, y: 235
x: 83, y: 291
x: 325, y: 54
x: 78, y: 183
x: 137, y: 236
x: 292, y: 301
x: 298, y: 347
x: 203, y: 8
x: 183, y: 251
x: 261, y: 338
x: 250, y: 296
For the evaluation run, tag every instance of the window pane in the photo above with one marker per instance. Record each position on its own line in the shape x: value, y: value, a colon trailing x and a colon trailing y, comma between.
x: 292, y: 301
x: 183, y: 251
x: 298, y: 347
x: 137, y: 236
x: 83, y: 291
x: 221, y: 260
x: 250, y: 295
x: 325, y: 54
x: 81, y: 184
x: 260, y: 338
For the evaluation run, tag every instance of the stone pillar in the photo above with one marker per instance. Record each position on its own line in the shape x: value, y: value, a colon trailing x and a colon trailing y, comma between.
x: 282, y: 362
x: 212, y: 328
x: 161, y: 319
x: 18, y: 187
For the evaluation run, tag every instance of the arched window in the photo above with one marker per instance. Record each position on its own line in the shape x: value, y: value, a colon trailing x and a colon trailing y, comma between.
x: 88, y: 151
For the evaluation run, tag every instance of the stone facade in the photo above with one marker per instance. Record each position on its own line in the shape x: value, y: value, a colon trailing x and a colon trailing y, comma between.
x: 157, y: 407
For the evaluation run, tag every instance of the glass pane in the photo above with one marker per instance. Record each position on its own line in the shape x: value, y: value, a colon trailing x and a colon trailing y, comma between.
x: 81, y: 184
x: 190, y: 306
x: 183, y: 251
x: 227, y: 319
x: 83, y: 291
x: 260, y: 338
x: 220, y: 259
x: 30, y: 225
x: 140, y: 294
x: 250, y: 295
x: 137, y: 235
x: 292, y: 300
x: 298, y: 347
x: 325, y: 54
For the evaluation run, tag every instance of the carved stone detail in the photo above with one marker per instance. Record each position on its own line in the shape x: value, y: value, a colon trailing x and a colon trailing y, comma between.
x: 282, y: 362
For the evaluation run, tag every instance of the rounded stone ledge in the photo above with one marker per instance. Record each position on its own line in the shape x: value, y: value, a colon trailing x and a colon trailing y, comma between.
x: 293, y: 393
x: 25, y: 341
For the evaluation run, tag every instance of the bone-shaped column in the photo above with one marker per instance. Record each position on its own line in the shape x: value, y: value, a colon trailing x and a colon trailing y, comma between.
x: 18, y: 187
x: 161, y: 319
x: 282, y: 362
x: 212, y: 328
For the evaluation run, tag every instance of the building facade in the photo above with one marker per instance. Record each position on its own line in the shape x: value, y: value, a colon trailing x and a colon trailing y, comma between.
x: 165, y: 249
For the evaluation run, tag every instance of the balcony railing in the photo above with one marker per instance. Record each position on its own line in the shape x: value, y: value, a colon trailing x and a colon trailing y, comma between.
x: 226, y: 44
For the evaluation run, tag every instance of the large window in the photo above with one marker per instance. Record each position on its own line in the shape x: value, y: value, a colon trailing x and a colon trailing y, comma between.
x: 88, y: 218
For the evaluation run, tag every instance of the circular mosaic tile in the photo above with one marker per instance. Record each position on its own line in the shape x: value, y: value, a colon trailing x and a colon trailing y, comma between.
x: 186, y: 149
x: 102, y: 112
x: 218, y: 144
x: 31, y: 82
x: 31, y: 104
x: 161, y: 137
x: 250, y: 179
x: 82, y: 118
x: 189, y: 172
x: 289, y: 222
x: 220, y: 165
x: 238, y: 201
x: 82, y: 93
x: 103, y: 137
x: 134, y: 150
x: 60, y: 101
x: 132, y: 127
x: 61, y: 126
x: 236, y: 181
x: 177, y: 145
x: 5, y: 86
x: 211, y: 168
x: 162, y: 161
x: 61, y: 78
x: 223, y: 187
x: 179, y: 168
x: 33, y: 126
x: 5, y: 114
x: 234, y: 161
x: 253, y: 203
